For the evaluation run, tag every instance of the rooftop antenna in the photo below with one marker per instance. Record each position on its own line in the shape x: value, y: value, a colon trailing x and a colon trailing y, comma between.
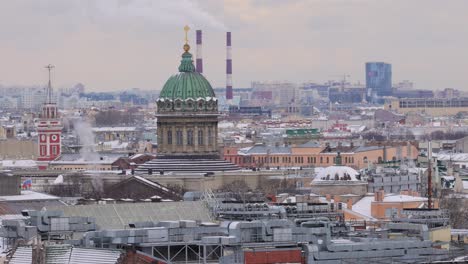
x: 49, y: 85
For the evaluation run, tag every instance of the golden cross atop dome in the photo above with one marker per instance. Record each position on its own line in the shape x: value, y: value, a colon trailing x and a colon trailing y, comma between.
x: 186, y: 45
x: 186, y: 29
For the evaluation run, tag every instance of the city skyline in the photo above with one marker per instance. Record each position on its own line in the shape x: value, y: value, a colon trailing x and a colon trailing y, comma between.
x: 118, y: 44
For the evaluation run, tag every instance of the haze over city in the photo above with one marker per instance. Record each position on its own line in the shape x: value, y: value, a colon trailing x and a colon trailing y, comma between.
x: 233, y: 132
x: 112, y: 45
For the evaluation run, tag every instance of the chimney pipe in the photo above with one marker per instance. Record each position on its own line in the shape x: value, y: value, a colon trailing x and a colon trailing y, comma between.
x: 228, y: 67
x: 199, y: 58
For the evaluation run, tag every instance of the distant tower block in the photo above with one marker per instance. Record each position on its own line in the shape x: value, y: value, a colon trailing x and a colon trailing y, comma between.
x: 49, y: 129
x: 199, y: 60
x: 228, y: 67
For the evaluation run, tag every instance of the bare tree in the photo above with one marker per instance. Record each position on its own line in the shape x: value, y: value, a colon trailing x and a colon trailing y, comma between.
x: 458, y: 211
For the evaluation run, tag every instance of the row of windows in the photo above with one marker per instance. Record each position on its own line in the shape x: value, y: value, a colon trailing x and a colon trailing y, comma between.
x: 179, y: 140
x: 310, y: 160
x: 43, y: 150
x: 433, y: 103
x: 102, y: 169
x: 298, y: 160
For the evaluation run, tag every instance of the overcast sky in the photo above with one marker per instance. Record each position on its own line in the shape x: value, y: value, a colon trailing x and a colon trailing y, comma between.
x: 118, y: 44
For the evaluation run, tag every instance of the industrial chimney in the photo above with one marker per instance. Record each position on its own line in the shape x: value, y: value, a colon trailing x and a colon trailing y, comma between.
x: 199, y: 61
x: 228, y: 67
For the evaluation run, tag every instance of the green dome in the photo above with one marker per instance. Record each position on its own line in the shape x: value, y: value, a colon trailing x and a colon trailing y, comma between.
x: 188, y: 90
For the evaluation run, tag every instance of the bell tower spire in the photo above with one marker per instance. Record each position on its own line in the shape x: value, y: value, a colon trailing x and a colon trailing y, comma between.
x: 49, y: 85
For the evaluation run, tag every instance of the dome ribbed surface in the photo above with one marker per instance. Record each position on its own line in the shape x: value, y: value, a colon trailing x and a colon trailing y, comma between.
x: 187, y: 83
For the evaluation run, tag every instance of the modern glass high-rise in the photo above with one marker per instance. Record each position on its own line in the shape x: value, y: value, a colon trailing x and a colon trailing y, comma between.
x: 379, y: 78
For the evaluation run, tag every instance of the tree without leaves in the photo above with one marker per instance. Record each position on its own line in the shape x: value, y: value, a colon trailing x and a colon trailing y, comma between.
x: 458, y: 211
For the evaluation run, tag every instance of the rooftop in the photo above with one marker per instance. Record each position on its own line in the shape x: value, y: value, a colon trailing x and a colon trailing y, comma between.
x: 27, y: 195
x: 120, y: 215
x: 337, y: 173
x: 92, y: 158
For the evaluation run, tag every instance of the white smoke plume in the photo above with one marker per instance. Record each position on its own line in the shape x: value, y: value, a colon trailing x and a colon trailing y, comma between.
x: 83, y: 131
x: 178, y: 12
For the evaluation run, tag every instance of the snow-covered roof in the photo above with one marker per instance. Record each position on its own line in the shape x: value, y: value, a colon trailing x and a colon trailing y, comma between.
x: 403, y: 198
x: 340, y: 171
x: 363, y: 206
x: 27, y: 195
x: 115, y: 144
x: 262, y: 149
x: 451, y: 156
x: 114, y: 129
x: 18, y: 163
x: 93, y: 158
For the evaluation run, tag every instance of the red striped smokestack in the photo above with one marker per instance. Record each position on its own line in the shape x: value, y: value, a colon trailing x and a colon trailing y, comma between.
x: 228, y: 67
x: 199, y: 61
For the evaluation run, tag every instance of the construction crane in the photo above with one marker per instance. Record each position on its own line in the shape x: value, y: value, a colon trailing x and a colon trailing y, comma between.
x: 343, y: 80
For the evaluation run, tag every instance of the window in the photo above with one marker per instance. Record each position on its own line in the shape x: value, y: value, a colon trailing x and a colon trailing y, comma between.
x: 379, y: 160
x: 328, y: 160
x: 210, y: 138
x: 190, y: 137
x: 200, y: 137
x: 364, y: 159
x: 43, y: 151
x: 179, y: 139
x: 169, y: 137
x: 389, y: 212
x: 54, y: 150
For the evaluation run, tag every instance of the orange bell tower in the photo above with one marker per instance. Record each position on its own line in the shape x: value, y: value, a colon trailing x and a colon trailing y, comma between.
x: 49, y: 129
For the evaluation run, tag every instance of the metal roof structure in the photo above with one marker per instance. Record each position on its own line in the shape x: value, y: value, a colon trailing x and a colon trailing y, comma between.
x: 23, y: 255
x: 66, y: 254
x: 120, y: 215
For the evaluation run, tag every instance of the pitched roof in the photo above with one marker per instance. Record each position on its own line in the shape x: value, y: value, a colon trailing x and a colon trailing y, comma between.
x: 310, y: 144
x: 262, y: 149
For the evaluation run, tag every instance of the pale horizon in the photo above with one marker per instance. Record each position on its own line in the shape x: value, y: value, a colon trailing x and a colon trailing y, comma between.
x: 122, y: 44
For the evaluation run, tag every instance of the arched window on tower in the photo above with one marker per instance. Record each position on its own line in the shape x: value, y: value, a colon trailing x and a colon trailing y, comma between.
x: 169, y: 137
x: 179, y: 137
x: 190, y: 137
x: 200, y: 137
